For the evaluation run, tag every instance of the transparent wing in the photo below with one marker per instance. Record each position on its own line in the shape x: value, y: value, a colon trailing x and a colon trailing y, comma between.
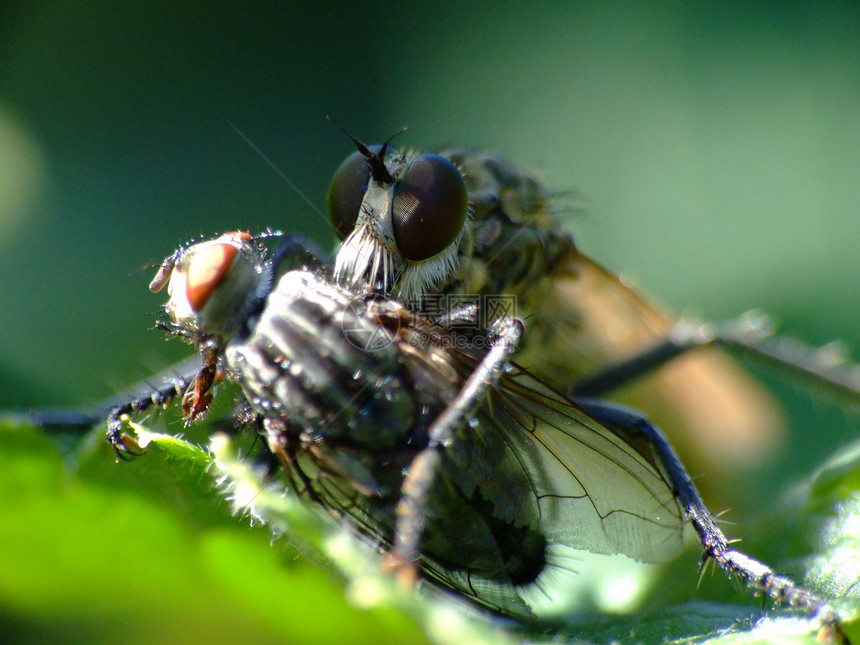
x: 595, y: 489
x: 717, y: 416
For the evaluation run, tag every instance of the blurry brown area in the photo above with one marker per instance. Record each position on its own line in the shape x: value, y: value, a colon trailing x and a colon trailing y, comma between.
x: 719, y: 419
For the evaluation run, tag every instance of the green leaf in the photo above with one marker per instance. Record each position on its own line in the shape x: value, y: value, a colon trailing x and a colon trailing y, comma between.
x: 150, y: 552
x: 187, y: 543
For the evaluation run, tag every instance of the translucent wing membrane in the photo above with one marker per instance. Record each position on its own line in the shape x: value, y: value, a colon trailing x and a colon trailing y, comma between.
x: 598, y: 493
x: 549, y: 474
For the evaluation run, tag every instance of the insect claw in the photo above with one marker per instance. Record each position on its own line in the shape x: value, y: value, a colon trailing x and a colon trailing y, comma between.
x: 198, y: 396
x: 195, y: 404
x: 703, y: 568
x: 124, y: 445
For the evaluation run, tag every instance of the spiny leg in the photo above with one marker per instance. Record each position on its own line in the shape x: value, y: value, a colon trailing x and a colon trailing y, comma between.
x: 750, y: 334
x: 422, y: 471
x: 296, y: 250
x: 124, y: 445
x: 629, y: 423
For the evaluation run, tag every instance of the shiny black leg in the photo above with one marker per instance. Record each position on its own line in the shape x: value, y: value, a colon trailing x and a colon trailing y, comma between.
x: 422, y: 471
x: 749, y: 335
x: 631, y: 425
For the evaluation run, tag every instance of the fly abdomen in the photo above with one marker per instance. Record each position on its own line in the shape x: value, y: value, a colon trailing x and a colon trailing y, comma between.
x: 488, y: 545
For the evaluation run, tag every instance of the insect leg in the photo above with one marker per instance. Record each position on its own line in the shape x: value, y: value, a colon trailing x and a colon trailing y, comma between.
x: 140, y: 399
x: 632, y: 426
x: 299, y: 251
x: 124, y: 445
x: 751, y: 335
x: 422, y: 471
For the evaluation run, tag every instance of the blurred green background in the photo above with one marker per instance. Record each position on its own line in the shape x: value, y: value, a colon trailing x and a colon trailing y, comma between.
x: 715, y: 149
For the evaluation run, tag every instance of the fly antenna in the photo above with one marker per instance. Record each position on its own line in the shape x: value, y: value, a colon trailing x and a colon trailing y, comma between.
x: 375, y: 159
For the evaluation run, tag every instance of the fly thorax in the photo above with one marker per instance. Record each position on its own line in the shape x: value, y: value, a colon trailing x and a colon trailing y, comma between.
x: 320, y: 361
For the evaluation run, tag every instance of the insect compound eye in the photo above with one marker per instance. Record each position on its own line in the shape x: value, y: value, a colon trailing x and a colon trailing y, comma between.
x: 211, y: 281
x: 346, y: 191
x: 429, y: 207
x: 206, y: 270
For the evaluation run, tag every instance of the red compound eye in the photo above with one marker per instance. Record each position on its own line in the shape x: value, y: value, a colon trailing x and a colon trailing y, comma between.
x: 205, y: 272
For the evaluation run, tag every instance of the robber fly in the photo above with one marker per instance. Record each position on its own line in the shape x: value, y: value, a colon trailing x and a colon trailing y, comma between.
x: 431, y: 229
x: 462, y: 467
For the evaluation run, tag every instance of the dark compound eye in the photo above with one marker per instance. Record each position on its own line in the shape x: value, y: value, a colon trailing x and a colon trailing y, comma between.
x: 430, y: 206
x: 346, y: 191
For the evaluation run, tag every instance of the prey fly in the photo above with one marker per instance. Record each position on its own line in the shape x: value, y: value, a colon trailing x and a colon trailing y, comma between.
x: 462, y: 467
